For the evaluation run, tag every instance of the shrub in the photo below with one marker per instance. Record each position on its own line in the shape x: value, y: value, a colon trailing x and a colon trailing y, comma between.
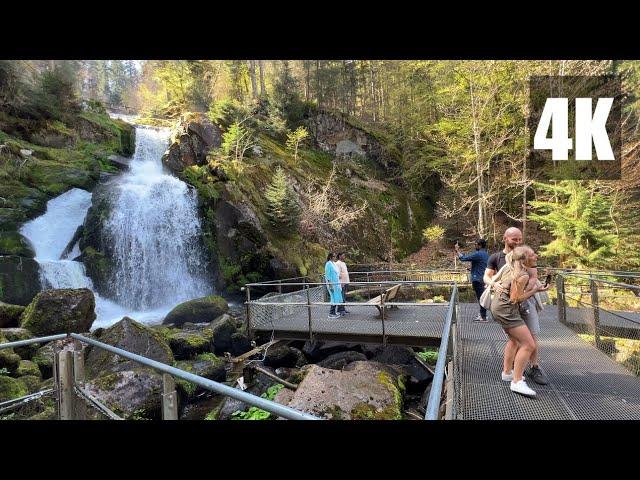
x: 431, y: 234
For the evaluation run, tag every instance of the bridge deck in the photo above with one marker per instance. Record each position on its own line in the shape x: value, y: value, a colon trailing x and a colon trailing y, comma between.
x: 585, y: 383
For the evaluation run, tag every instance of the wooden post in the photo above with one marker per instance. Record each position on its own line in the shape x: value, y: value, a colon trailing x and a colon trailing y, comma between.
x: 309, y: 313
x: 65, y: 363
x: 596, y: 314
x: 169, y: 398
x: 78, y: 375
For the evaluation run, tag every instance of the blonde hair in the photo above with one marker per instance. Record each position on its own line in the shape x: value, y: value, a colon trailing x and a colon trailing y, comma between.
x: 518, y: 257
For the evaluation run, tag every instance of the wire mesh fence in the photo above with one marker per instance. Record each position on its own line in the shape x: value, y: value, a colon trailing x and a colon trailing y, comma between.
x: 604, y: 310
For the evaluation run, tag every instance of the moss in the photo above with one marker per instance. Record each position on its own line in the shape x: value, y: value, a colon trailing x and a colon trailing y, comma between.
x: 27, y: 367
x: 31, y: 382
x: 209, y: 357
x: 10, y: 314
x: 334, y: 413
x: 11, y: 388
x: 107, y: 383
x: 12, y: 243
x: 9, y: 360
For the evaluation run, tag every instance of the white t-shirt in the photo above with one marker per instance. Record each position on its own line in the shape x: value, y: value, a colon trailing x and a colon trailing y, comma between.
x: 344, y: 273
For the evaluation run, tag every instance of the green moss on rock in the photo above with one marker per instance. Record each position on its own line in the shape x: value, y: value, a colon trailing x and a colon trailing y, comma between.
x: 28, y: 368
x: 10, y: 315
x: 31, y: 382
x: 56, y: 311
x: 199, y: 310
x: 11, y: 388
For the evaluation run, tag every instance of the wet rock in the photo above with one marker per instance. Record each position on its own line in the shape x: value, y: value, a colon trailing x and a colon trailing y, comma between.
x: 12, y: 243
x: 199, y: 310
x: 59, y: 311
x: 10, y: 315
x: 317, y: 350
x: 205, y: 365
x: 128, y: 335
x: 187, y: 344
x: 132, y: 394
x: 284, y: 356
x: 19, y: 279
x: 339, y: 360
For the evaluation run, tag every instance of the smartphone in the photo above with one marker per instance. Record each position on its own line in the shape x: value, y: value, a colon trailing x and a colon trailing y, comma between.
x: 547, y: 280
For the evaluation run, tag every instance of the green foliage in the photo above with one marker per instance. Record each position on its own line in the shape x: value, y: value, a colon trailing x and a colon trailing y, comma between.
x: 55, y: 96
x: 294, y: 139
x: 225, y: 113
x: 285, y: 96
x: 582, y: 221
x: 431, y: 234
x: 235, y: 143
x: 429, y: 355
x: 255, y: 413
x: 4, y: 371
x: 139, y: 414
x: 283, y: 210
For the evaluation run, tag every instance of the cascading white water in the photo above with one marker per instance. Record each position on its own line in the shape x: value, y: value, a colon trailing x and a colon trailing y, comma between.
x: 154, y: 228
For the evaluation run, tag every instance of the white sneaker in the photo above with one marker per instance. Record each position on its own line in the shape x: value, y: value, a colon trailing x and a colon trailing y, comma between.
x: 507, y: 377
x: 522, y: 388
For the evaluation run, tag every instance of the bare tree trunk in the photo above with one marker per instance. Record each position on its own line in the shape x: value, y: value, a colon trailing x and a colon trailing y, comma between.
x: 261, y: 68
x: 476, y: 134
x: 252, y: 75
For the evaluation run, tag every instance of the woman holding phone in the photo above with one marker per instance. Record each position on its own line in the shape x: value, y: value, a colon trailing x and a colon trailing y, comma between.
x: 505, y: 308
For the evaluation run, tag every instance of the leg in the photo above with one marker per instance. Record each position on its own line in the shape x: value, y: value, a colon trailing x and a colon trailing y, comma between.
x: 526, y: 346
x: 478, y: 288
x: 341, y: 308
x: 510, y: 350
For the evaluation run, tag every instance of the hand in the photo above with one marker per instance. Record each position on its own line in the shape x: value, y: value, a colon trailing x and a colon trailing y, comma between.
x: 543, y: 288
x: 498, y: 288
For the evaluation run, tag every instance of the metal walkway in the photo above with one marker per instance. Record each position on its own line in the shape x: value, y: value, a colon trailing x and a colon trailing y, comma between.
x: 585, y: 383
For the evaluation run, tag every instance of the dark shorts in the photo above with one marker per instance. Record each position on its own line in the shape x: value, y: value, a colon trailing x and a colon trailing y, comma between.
x: 505, y: 313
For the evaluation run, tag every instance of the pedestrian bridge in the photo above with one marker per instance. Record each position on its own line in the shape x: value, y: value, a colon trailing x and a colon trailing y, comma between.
x: 589, y: 340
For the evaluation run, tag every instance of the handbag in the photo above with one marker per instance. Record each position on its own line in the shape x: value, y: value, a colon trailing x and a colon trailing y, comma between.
x: 485, y: 298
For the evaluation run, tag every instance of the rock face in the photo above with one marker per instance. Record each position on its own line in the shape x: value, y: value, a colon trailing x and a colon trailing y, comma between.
x: 19, y: 279
x: 197, y: 137
x: 132, y: 394
x: 10, y: 315
x: 12, y: 243
x: 128, y: 335
x: 335, y: 135
x: 363, y: 391
x: 198, y: 310
x: 56, y: 311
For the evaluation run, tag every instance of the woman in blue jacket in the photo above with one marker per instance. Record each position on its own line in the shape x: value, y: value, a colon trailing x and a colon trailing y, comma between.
x: 332, y: 277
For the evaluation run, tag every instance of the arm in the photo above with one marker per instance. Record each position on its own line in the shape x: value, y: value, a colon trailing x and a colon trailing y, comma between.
x: 488, y: 273
x: 533, y: 279
x: 469, y: 257
x: 518, y: 293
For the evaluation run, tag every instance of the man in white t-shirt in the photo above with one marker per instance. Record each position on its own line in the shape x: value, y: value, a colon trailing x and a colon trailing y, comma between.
x: 344, y: 281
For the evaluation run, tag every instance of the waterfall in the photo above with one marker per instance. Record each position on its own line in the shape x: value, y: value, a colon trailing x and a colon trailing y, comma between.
x: 155, y: 233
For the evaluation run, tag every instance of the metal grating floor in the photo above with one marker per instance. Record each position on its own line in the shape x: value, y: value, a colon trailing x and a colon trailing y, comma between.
x: 585, y: 384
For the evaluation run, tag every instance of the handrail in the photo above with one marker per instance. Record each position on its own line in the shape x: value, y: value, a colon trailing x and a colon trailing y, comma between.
x: 380, y: 283
x: 254, y: 400
x: 21, y: 343
x: 608, y: 282
x: 435, y: 394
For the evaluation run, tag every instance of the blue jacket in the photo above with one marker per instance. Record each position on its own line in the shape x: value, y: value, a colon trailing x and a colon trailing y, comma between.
x: 478, y: 261
x: 331, y: 275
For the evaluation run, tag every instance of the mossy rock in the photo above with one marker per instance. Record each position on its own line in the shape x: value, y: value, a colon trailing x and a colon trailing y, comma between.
x: 18, y: 334
x: 60, y: 310
x: 187, y: 344
x: 9, y: 360
x: 43, y: 358
x: 28, y: 368
x: 11, y: 388
x: 133, y: 337
x: 12, y: 243
x: 205, y: 365
x: 31, y: 382
x: 19, y: 279
x: 198, y: 310
x: 10, y: 315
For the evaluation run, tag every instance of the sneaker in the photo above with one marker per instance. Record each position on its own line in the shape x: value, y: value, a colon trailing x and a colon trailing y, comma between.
x: 507, y: 377
x: 333, y: 315
x: 479, y: 319
x: 342, y: 314
x: 537, y: 375
x: 522, y: 388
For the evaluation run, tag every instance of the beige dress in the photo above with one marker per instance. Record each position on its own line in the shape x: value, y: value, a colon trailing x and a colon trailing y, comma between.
x: 504, y: 312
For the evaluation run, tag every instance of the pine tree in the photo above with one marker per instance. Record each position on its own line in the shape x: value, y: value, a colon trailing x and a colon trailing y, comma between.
x: 580, y: 219
x: 283, y: 210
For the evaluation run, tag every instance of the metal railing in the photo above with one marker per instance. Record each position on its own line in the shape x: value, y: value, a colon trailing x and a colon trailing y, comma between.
x: 446, y: 353
x: 604, y: 312
x: 72, y: 373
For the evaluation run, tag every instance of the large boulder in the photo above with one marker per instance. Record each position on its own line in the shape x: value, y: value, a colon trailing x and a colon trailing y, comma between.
x: 10, y: 315
x: 60, y: 311
x: 224, y: 329
x: 198, y: 310
x: 43, y: 358
x: 284, y: 356
x: 9, y: 360
x: 318, y: 350
x: 133, y: 337
x: 362, y: 391
x: 132, y: 394
x: 19, y: 279
x: 187, y: 344
x: 12, y: 243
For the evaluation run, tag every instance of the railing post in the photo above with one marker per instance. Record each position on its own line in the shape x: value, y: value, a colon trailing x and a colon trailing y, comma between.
x: 596, y: 314
x: 368, y: 287
x: 309, y: 314
x: 248, y: 311
x: 65, y: 363
x: 169, y: 398
x: 562, y: 306
x: 280, y: 286
x: 384, y: 337
x: 78, y: 376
